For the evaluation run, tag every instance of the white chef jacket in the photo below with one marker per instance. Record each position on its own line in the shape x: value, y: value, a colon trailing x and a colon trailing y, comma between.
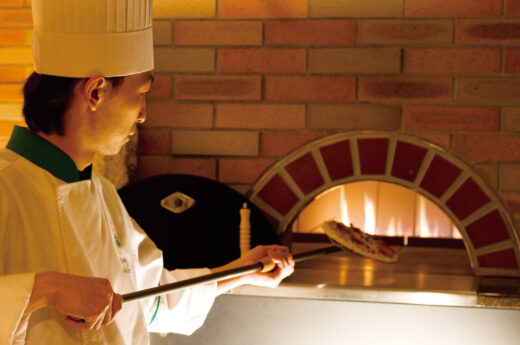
x: 15, y: 292
x: 52, y: 220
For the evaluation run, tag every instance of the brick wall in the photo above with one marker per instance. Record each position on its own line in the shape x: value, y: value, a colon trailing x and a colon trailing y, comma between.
x: 239, y: 84
x: 15, y: 61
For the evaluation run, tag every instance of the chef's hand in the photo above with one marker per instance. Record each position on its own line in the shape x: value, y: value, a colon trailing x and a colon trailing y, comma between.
x: 273, y: 254
x: 87, y: 303
x: 279, y: 255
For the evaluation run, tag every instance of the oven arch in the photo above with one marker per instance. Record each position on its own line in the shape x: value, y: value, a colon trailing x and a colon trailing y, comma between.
x: 452, y: 184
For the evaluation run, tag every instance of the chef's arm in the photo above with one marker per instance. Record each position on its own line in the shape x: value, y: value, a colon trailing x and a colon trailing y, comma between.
x: 87, y: 303
x: 279, y: 255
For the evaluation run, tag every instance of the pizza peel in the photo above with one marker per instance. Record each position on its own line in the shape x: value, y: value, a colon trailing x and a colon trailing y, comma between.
x: 262, y: 266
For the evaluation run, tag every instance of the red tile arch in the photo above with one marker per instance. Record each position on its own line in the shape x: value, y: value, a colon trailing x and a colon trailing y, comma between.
x: 452, y: 184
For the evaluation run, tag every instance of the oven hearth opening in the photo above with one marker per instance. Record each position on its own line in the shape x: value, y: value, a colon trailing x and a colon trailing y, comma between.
x: 431, y: 251
x: 395, y: 213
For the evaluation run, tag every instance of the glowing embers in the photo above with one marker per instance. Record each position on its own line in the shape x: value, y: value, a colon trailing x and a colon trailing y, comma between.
x: 378, y: 208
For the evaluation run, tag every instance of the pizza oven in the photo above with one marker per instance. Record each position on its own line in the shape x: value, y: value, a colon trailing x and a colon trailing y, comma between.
x: 403, y: 188
x: 458, y: 247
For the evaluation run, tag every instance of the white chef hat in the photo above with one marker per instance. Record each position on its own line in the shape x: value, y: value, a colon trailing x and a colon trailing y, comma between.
x: 81, y: 38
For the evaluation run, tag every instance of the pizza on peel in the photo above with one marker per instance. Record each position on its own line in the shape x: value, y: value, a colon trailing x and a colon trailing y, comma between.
x: 359, y: 242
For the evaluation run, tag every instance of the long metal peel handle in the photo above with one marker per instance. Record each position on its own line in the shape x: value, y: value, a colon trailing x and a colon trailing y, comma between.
x: 264, y: 266
x: 183, y: 284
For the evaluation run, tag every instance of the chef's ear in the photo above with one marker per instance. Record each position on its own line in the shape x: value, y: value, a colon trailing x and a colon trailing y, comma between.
x: 94, y: 91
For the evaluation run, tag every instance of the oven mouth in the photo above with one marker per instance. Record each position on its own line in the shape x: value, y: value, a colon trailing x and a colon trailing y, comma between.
x: 477, y: 211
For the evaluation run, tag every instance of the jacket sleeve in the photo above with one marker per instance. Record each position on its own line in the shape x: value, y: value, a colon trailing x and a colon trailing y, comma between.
x: 182, y: 311
x: 15, y: 292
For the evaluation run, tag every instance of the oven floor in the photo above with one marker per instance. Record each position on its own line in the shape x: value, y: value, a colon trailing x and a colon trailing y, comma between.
x: 434, y: 269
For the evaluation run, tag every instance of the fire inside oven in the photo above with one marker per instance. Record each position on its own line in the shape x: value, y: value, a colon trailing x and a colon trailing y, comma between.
x: 379, y: 208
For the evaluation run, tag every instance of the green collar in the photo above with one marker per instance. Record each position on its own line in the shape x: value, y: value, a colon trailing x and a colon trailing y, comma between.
x: 45, y: 155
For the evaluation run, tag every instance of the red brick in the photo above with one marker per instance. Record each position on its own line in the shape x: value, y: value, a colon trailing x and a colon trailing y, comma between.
x: 404, y: 88
x: 262, y: 9
x: 355, y: 9
x: 407, y: 161
x: 439, y: 176
x: 216, y: 142
x: 488, y: 148
x: 161, y: 88
x: 509, y: 176
x: 12, y: 37
x: 488, y: 31
x: 355, y: 60
x: 276, y: 144
x: 274, y: 116
x: 504, y: 258
x: 154, y: 141
x: 310, y: 32
x: 158, y: 165
x: 405, y: 32
x: 512, y: 63
x: 337, y: 168
x: 16, y: 56
x: 439, y: 139
x: 452, y: 60
x: 278, y: 194
x: 11, y: 111
x: 451, y: 118
x: 11, y: 3
x: 215, y: 33
x: 11, y: 74
x: 511, y: 119
x: 11, y: 93
x: 488, y: 90
x: 513, y: 200
x: 462, y: 8
x: 354, y: 116
x: 262, y: 60
x: 373, y: 153
x: 16, y: 18
x: 490, y: 173
x: 218, y: 87
x: 184, y: 9
x: 310, y: 89
x: 184, y: 60
x: 6, y: 127
x: 162, y: 32
x: 467, y: 199
x: 305, y: 173
x: 242, y: 170
x: 512, y: 8
x: 179, y: 115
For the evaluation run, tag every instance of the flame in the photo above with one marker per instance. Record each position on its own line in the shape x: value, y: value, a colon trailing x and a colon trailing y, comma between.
x: 424, y: 228
x: 343, y: 205
x: 370, y: 215
x: 391, y: 230
x: 377, y: 208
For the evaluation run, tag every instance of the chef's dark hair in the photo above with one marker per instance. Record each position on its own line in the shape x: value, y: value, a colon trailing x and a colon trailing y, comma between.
x: 47, y: 97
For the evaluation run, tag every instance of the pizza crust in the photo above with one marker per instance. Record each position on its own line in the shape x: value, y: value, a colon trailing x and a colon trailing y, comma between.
x: 359, y: 242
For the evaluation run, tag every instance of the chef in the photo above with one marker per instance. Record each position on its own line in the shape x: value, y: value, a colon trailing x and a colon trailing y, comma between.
x: 94, y: 66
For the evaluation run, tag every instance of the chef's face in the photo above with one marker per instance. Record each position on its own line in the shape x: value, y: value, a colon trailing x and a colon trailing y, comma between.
x: 119, y: 112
